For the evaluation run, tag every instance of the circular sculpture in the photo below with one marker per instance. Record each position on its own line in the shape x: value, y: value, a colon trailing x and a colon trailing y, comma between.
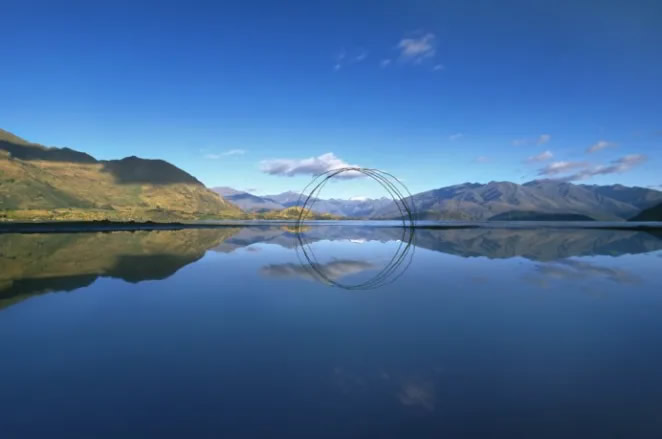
x: 404, y: 253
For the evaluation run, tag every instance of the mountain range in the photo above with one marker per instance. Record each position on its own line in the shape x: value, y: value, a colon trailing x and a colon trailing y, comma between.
x: 47, y: 183
x: 353, y: 208
x: 473, y: 201
x: 535, y: 200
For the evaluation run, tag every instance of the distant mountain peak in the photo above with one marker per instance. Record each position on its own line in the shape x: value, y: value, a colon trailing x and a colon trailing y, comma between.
x: 226, y: 190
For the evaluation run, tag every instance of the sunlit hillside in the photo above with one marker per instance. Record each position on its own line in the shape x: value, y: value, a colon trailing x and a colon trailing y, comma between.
x: 38, y: 183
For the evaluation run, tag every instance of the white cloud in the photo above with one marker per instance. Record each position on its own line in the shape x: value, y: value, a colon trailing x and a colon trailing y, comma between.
x: 308, y: 166
x: 217, y: 156
x: 385, y: 62
x: 438, y: 67
x: 456, y: 136
x: 482, y: 159
x: 586, y: 170
x: 543, y: 156
x: 602, y: 144
x: 416, y: 49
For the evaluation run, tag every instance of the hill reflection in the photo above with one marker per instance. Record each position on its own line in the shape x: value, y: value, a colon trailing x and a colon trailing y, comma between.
x: 40, y: 263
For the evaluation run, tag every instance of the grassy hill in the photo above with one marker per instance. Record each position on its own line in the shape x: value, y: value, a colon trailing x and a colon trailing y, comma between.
x: 40, y: 183
x: 292, y: 213
x: 524, y: 215
x: 651, y: 214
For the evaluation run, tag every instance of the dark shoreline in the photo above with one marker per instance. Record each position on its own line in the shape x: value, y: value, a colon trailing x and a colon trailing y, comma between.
x: 130, y: 226
x: 113, y: 226
x: 98, y: 226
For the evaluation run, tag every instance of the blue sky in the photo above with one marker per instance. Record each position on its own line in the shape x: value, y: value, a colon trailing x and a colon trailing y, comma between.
x: 244, y: 93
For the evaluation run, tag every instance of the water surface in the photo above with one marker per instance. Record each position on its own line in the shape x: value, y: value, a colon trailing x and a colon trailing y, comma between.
x: 487, y: 332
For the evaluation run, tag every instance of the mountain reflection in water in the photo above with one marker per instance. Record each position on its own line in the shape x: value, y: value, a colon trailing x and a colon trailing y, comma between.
x: 39, y: 263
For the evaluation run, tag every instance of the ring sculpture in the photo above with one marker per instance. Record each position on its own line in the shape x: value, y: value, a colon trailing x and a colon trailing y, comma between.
x: 404, y: 253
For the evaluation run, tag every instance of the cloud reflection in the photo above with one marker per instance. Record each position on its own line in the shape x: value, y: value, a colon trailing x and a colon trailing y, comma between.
x: 418, y: 393
x: 575, y: 270
x: 336, y: 269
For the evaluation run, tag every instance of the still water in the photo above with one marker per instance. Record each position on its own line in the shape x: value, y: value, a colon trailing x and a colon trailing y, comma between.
x: 234, y: 332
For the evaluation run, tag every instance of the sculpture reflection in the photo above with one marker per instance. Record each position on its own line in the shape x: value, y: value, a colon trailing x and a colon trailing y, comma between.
x: 397, y: 265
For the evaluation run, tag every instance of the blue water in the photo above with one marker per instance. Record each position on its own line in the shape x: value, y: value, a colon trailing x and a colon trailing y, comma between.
x: 479, y: 333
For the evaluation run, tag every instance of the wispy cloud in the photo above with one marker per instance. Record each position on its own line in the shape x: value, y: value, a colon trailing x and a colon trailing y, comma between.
x: 557, y: 168
x: 340, y: 59
x: 385, y: 62
x: 417, y: 49
x: 586, y: 170
x: 617, y: 166
x: 600, y: 145
x: 482, y: 159
x: 456, y: 136
x: 539, y: 140
x: 543, y: 156
x: 438, y: 67
x: 543, y: 138
x: 520, y: 142
x: 231, y: 152
x: 307, y: 166
x: 348, y: 57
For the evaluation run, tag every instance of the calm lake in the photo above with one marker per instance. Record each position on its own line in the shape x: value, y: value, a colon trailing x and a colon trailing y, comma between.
x: 345, y: 331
